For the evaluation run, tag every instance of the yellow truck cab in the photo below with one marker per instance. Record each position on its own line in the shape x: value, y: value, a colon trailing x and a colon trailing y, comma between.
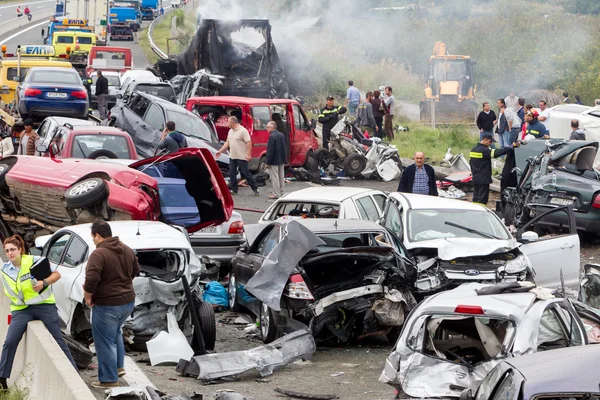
x: 67, y: 42
x: 31, y: 56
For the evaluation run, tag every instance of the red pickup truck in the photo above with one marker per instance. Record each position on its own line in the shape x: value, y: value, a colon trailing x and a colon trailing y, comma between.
x: 254, y: 114
x: 109, y: 58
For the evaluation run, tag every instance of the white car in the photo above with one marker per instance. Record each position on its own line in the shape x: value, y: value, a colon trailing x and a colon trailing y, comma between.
x: 140, y: 75
x: 454, y: 242
x: 114, y: 85
x: 328, y: 202
x: 451, y: 340
x: 165, y: 255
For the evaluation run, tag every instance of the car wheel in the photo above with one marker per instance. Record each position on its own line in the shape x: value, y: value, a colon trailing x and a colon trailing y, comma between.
x: 323, y: 157
x: 102, y: 155
x: 139, y: 343
x: 81, y: 354
x: 354, y: 164
x: 311, y: 164
x: 233, y: 294
x: 262, y: 167
x: 4, y: 168
x: 268, y: 329
x: 86, y: 193
x: 208, y: 324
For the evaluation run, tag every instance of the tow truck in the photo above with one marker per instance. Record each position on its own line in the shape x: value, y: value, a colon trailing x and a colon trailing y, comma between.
x: 58, y: 24
x: 109, y: 58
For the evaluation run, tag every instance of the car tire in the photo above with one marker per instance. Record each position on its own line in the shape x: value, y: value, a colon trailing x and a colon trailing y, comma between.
x: 208, y: 323
x: 262, y: 167
x: 234, y: 302
x: 102, y: 155
x: 86, y: 193
x: 4, y: 168
x: 323, y: 157
x: 81, y: 354
x: 139, y: 343
x: 311, y: 164
x: 268, y: 328
x: 354, y: 164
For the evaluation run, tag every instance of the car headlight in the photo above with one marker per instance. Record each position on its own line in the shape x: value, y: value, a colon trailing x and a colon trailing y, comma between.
x: 517, y: 265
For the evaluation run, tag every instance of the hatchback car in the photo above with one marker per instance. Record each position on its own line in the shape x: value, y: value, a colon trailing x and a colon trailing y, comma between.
x: 328, y: 202
x: 455, y: 242
x: 52, y: 91
x: 451, y: 340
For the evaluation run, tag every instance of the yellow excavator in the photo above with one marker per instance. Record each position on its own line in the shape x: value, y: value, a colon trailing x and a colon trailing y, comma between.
x: 450, y: 88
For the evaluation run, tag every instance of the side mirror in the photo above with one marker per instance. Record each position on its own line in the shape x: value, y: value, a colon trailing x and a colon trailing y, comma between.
x: 36, y: 251
x: 41, y: 148
x: 244, y: 248
x: 529, y: 237
x: 16, y: 78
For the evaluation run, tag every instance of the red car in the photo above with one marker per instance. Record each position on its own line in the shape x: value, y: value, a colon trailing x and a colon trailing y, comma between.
x: 42, y: 194
x: 254, y: 114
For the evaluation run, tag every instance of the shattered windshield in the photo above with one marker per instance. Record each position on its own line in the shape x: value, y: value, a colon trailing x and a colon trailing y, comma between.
x: 448, y: 223
x: 191, y: 125
x: 351, y: 239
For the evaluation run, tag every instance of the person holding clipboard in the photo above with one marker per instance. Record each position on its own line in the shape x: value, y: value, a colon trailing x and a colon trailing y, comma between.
x: 27, y: 281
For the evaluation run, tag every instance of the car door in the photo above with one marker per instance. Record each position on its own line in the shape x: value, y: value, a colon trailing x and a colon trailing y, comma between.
x: 55, y: 250
x: 553, y: 257
x: 392, y: 219
x: 367, y: 209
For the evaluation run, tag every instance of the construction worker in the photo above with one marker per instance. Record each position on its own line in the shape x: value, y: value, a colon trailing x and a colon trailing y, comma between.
x: 328, y: 117
x: 481, y: 167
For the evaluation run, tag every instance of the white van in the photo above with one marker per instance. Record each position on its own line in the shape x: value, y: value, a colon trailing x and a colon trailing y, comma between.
x: 175, y: 3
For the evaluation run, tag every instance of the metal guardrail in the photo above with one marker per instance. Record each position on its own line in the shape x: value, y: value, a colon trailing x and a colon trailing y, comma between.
x: 153, y: 46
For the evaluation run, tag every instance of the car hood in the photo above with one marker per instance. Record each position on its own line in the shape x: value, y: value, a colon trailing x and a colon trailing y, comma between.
x: 204, y: 182
x: 451, y: 248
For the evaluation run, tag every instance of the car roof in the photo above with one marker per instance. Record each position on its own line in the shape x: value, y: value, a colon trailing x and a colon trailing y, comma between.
x: 325, y: 194
x: 505, y: 304
x: 61, y: 121
x: 235, y: 100
x: 138, y: 235
x: 59, y: 69
x: 420, y: 202
x: 544, y: 371
x: 98, y: 130
x: 327, y: 225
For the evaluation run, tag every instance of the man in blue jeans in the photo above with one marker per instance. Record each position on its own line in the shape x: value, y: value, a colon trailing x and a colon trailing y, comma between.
x: 352, y: 99
x: 108, y: 289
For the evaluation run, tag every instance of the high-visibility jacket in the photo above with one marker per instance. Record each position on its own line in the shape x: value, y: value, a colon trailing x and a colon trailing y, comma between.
x: 21, y: 291
x: 330, y: 116
x: 481, y: 162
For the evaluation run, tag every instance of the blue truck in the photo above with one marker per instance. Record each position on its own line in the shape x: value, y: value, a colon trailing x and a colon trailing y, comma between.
x: 121, y: 19
x: 149, y: 9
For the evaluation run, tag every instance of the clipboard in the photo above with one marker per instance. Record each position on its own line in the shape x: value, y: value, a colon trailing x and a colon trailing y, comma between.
x: 41, y: 269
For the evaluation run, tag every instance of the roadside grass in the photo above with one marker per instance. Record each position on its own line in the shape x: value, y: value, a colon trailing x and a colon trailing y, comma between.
x: 14, y: 393
x: 434, y: 142
x: 162, y: 31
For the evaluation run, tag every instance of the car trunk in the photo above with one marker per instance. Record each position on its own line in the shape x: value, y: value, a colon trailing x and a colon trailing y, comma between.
x: 165, y: 265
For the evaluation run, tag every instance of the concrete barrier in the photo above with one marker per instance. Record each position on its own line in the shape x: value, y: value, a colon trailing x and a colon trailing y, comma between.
x: 22, y: 22
x: 40, y: 364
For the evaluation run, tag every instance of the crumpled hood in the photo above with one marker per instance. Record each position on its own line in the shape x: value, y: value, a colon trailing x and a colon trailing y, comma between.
x: 451, y: 248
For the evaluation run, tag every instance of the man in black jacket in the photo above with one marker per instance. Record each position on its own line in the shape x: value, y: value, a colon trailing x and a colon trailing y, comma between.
x: 276, y: 159
x: 102, y: 94
x: 418, y: 178
x: 481, y: 167
x: 328, y: 117
x: 486, y: 120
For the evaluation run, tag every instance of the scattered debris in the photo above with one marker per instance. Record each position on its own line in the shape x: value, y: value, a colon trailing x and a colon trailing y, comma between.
x: 169, y: 347
x: 335, y: 374
x: 262, y: 380
x: 307, y: 396
x: 215, y: 294
x: 228, y: 394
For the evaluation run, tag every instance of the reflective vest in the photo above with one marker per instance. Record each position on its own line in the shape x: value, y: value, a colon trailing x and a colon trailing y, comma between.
x: 21, y: 291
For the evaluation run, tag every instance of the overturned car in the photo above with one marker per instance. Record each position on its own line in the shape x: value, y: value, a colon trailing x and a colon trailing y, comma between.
x: 346, y: 280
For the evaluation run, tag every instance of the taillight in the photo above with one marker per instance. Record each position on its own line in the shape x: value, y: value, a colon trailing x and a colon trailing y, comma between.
x: 79, y: 94
x: 236, y: 228
x: 462, y: 309
x: 32, y: 92
x: 63, y: 56
x: 297, y: 288
x: 596, y: 203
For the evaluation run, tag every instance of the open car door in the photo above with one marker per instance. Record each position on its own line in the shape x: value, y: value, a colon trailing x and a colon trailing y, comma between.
x: 552, y: 254
x: 203, y: 182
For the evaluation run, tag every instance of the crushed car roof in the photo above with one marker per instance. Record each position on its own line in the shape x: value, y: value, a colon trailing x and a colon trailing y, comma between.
x: 324, y: 194
x: 505, y: 304
x: 420, y: 202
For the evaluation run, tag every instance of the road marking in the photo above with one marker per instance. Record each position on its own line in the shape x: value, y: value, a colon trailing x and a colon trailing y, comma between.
x: 45, y: 22
x: 41, y: 6
x: 135, y: 377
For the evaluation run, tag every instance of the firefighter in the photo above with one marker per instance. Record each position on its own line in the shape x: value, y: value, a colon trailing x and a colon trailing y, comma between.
x: 481, y: 167
x: 329, y: 116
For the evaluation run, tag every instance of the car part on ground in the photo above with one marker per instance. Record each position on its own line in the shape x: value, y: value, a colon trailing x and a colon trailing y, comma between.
x: 589, y: 288
x: 307, y: 396
x: 169, y: 347
x: 298, y: 344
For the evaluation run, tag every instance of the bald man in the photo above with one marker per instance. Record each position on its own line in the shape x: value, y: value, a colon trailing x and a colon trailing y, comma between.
x: 418, y: 178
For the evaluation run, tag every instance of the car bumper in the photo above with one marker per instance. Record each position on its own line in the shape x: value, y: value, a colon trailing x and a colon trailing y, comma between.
x: 42, y: 107
x: 217, y: 248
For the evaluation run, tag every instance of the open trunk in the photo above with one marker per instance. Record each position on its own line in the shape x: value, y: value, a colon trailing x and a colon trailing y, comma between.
x: 165, y: 265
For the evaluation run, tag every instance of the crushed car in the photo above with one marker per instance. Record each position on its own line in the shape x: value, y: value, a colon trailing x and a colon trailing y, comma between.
x: 345, y: 279
x: 452, y: 339
x: 455, y: 242
x: 75, y: 191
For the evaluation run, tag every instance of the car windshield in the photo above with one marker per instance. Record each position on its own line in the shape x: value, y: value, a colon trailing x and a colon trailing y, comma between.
x: 191, y: 125
x: 103, y: 145
x: 448, y: 223
x: 304, y: 210
x: 68, y: 77
x: 163, y: 91
x: 113, y: 80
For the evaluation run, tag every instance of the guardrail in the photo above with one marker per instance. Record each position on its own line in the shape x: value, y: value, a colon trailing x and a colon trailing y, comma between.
x: 153, y: 45
x: 22, y: 22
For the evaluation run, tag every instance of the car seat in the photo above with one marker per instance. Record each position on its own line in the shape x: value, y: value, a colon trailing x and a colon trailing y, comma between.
x: 276, y: 117
x: 352, y: 242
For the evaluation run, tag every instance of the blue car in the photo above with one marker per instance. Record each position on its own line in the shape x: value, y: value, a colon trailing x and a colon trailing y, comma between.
x: 52, y: 91
x: 176, y: 205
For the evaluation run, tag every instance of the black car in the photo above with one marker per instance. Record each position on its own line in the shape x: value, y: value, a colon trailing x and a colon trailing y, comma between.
x: 556, y: 374
x: 342, y: 278
x: 144, y: 117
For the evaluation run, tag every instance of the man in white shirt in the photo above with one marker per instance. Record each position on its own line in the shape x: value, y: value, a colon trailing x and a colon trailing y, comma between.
x: 512, y: 101
x: 544, y: 115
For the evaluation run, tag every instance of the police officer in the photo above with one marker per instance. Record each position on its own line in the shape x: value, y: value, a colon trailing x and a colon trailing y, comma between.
x: 329, y: 116
x: 30, y: 300
x: 87, y: 83
x: 481, y: 167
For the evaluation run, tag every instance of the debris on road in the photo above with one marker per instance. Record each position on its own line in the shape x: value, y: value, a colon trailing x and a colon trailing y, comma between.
x: 227, y: 394
x: 298, y: 395
x: 215, y: 294
x: 169, y: 347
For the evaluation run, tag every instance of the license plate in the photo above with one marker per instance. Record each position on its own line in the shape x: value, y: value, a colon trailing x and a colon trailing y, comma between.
x: 210, y: 229
x: 57, y: 95
x: 562, y: 202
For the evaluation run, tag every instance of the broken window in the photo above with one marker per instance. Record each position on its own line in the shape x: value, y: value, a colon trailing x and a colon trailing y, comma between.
x: 393, y: 220
x: 551, y: 334
x: 344, y: 240
x: 268, y: 243
x: 507, y: 388
x: 367, y: 209
x: 165, y: 265
x: 306, y: 210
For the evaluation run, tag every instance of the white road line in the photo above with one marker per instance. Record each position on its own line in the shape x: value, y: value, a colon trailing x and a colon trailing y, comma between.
x: 35, y: 2
x: 41, y: 6
x: 134, y: 376
x: 45, y: 22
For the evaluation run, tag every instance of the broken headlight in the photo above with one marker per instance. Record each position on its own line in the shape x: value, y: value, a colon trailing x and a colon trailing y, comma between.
x: 516, y: 266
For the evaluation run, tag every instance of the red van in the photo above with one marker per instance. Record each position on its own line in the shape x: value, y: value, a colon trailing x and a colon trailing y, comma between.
x: 254, y: 114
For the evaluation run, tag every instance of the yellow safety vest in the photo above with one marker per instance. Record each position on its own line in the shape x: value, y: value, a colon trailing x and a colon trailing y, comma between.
x: 21, y: 291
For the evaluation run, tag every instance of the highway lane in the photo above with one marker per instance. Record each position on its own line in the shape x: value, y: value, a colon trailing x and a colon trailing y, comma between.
x: 8, y: 11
